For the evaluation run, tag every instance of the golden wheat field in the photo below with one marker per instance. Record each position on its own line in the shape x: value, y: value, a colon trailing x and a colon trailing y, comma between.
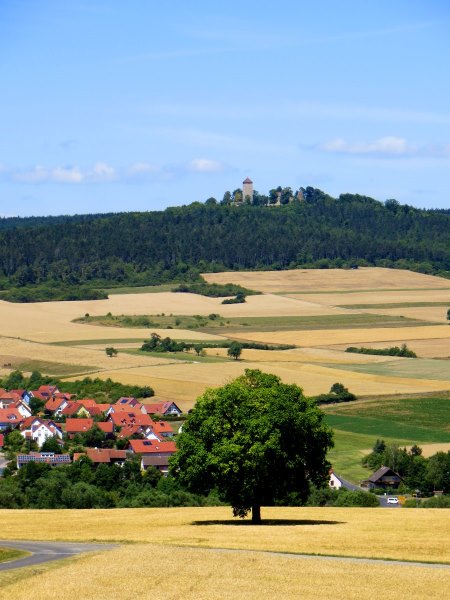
x: 326, y: 280
x: 204, y: 553
x: 30, y: 332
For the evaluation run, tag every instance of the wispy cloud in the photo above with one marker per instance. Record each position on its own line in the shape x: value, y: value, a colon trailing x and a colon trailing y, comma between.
x: 389, y: 146
x: 205, y: 165
x: 102, y: 172
x: 99, y: 173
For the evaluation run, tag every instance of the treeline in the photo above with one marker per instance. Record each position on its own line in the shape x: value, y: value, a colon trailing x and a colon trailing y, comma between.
x: 158, y: 344
x: 45, y: 293
x: 82, y: 485
x: 104, y: 390
x: 179, y: 243
x: 403, y: 350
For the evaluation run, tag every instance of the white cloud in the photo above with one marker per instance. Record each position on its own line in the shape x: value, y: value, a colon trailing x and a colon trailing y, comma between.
x: 389, y: 146
x: 205, y: 165
x: 66, y: 175
x: 101, y: 172
x: 143, y: 168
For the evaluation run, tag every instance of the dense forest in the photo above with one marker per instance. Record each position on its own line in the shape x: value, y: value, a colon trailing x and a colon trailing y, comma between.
x: 179, y: 243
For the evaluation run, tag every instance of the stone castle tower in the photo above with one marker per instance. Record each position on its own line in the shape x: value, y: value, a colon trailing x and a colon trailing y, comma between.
x: 247, y: 189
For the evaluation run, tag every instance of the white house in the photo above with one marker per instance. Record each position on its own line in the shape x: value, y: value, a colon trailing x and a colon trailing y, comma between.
x: 334, y: 482
x: 40, y: 430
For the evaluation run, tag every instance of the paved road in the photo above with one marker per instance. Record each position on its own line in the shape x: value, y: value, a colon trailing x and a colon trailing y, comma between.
x: 47, y: 551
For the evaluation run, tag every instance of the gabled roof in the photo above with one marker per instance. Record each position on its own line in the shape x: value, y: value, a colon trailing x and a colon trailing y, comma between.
x: 47, y: 390
x: 152, y: 447
x: 54, y: 403
x: 160, y: 408
x: 126, y: 400
x: 87, y: 402
x: 10, y: 415
x: 134, y: 409
x: 382, y: 472
x: 72, y: 408
x: 82, y: 425
x: 102, y: 455
x: 10, y: 397
x: 161, y: 427
x: 122, y: 418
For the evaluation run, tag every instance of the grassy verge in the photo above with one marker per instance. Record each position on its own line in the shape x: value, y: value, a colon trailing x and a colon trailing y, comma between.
x: 145, y: 289
x: 9, y: 554
x: 182, y: 356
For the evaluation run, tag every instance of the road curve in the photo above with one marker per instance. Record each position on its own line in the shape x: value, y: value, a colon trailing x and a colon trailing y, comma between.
x: 42, y: 552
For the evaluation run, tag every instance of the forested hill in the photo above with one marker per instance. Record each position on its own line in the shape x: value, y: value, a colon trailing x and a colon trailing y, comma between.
x: 178, y: 243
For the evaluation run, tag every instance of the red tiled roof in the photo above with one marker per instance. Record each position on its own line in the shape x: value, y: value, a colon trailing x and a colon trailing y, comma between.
x: 53, y: 404
x: 12, y: 396
x: 71, y: 408
x: 102, y: 455
x: 135, y: 409
x: 81, y: 425
x: 78, y: 425
x: 48, y: 390
x: 87, y: 402
x: 10, y: 415
x: 158, y: 407
x: 161, y: 427
x: 122, y: 418
x: 152, y: 446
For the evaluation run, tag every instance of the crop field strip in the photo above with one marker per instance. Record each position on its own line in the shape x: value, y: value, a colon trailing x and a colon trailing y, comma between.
x: 203, y: 574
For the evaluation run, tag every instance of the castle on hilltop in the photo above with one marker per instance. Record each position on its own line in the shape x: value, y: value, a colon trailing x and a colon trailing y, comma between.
x: 276, y: 197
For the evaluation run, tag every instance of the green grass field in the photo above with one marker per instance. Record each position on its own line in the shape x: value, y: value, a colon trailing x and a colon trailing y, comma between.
x: 405, y: 421
x: 286, y: 323
x: 416, y: 368
x: 52, y: 368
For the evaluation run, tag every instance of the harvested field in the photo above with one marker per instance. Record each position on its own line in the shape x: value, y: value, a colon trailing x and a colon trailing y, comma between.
x: 351, y: 337
x: 325, y: 280
x: 203, y: 574
x: 366, y: 532
x: 187, y: 380
x: 356, y: 299
x: 433, y: 314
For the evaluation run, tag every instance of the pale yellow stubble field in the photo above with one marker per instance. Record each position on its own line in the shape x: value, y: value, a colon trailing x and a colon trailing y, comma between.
x: 170, y: 573
x: 391, y: 296
x: 366, y: 532
x: 184, y: 382
x: 322, y: 280
x: 434, y: 314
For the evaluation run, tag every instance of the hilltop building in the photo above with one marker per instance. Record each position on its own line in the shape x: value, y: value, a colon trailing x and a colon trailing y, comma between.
x: 247, y: 189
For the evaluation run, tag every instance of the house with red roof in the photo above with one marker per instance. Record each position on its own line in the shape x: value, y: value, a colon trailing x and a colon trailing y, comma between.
x: 39, y: 430
x: 55, y: 406
x: 152, y: 447
x: 153, y: 453
x: 23, y: 408
x: 10, y: 418
x: 47, y: 391
x: 7, y: 399
x: 107, y: 456
x: 74, y: 408
x: 74, y: 426
x: 162, y: 408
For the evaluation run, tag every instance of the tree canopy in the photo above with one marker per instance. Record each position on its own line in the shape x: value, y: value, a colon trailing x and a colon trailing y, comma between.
x: 256, y: 440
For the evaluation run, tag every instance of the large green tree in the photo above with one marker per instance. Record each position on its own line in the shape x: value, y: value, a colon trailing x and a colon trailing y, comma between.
x: 256, y: 440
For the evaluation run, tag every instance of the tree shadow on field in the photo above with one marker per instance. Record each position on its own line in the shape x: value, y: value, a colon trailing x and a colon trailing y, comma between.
x: 268, y: 522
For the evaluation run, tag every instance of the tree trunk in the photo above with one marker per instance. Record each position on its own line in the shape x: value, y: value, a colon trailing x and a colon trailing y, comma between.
x: 256, y: 514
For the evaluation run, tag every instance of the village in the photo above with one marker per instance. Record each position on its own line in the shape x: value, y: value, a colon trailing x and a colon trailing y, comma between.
x: 110, y: 433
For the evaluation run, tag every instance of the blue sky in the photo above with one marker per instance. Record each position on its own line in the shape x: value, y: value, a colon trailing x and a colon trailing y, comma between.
x: 108, y: 105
